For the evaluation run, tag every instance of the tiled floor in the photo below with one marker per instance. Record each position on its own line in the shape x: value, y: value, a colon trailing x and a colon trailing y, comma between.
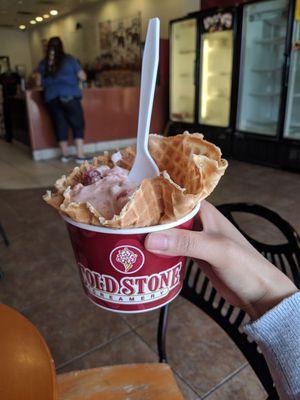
x: 17, y: 170
x: 41, y: 280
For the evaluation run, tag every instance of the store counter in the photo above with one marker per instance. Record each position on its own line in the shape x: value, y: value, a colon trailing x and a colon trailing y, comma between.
x: 111, y: 115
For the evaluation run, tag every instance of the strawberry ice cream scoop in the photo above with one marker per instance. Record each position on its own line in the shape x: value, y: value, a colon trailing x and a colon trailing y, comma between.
x: 106, y: 189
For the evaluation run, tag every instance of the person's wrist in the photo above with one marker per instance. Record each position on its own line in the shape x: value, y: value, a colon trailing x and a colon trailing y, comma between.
x: 271, y: 299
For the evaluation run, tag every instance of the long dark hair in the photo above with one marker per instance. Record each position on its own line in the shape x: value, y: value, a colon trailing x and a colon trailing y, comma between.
x: 55, y: 56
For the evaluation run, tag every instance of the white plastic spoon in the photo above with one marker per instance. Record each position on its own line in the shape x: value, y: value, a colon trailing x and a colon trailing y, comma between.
x: 144, y: 166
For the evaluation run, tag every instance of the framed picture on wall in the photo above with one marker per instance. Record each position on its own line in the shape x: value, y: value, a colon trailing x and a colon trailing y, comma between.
x: 120, y: 43
x: 4, y: 64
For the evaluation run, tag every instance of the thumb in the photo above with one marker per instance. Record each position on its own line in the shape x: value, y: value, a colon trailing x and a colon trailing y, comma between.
x: 179, y: 242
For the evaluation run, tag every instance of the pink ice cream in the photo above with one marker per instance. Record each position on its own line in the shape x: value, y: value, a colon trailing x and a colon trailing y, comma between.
x: 106, y: 189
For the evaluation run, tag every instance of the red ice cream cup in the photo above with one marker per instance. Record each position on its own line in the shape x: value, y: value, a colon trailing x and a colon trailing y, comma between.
x: 119, y: 274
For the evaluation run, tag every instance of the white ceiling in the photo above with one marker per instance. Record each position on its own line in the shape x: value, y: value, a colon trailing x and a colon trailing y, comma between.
x: 16, y: 12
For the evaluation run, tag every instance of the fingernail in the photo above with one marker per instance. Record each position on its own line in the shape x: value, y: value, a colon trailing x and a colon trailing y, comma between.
x: 157, y: 241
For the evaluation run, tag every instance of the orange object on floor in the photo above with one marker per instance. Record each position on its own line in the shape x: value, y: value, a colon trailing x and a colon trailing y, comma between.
x: 121, y: 382
x: 27, y: 371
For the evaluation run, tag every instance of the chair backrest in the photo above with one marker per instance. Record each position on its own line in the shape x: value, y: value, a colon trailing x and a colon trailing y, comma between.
x: 198, y: 289
x: 26, y: 369
x: 286, y: 256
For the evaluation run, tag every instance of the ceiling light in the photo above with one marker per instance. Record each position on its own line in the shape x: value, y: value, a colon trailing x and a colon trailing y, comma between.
x: 39, y: 19
x: 53, y: 12
x: 22, y: 27
x: 33, y: 22
x: 45, y: 16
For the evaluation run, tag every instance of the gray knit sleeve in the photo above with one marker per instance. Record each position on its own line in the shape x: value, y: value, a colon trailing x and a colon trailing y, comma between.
x: 278, y: 335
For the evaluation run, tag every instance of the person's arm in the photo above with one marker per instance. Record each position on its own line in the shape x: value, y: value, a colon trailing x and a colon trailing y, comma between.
x: 38, y: 79
x: 81, y: 75
x: 246, y: 280
x: 38, y: 74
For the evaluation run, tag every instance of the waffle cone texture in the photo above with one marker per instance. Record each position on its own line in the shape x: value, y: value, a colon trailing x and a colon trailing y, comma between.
x: 190, y: 169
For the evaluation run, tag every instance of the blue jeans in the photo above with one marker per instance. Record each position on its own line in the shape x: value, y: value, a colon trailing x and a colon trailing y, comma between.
x: 65, y: 113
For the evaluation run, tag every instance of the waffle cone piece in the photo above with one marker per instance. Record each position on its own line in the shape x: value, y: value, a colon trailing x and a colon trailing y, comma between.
x: 190, y: 169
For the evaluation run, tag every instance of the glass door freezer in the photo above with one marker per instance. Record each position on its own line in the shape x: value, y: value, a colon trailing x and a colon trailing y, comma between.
x: 262, y: 61
x: 182, y: 69
x: 216, y: 78
x: 216, y: 62
x: 292, y: 115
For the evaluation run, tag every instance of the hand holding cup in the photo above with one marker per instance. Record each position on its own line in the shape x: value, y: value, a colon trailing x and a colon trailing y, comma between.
x: 239, y: 273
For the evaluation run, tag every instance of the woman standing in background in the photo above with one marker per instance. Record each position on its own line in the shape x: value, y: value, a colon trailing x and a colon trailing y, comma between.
x: 59, y: 74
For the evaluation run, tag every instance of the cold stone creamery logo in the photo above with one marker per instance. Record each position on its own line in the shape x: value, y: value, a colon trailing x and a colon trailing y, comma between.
x: 131, y: 289
x: 127, y: 259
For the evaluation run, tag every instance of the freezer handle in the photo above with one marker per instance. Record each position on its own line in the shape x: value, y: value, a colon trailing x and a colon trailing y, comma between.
x: 287, y: 69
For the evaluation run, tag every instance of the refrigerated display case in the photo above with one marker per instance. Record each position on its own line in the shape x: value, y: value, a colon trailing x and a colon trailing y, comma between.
x: 182, y: 70
x: 262, y: 61
x: 292, y: 115
x: 216, y: 68
x: 267, y: 123
x: 239, y: 84
x: 203, y: 50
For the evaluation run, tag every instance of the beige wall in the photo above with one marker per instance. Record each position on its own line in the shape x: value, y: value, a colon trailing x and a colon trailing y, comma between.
x: 15, y: 44
x: 84, y: 43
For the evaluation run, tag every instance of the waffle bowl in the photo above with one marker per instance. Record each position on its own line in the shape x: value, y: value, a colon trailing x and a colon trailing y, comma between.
x: 190, y: 169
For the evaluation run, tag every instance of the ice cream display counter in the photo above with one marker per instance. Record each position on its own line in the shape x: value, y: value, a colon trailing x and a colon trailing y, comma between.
x: 110, y: 119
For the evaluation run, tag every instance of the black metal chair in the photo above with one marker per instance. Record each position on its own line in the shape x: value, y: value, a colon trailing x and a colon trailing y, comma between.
x: 6, y: 242
x: 199, y: 291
